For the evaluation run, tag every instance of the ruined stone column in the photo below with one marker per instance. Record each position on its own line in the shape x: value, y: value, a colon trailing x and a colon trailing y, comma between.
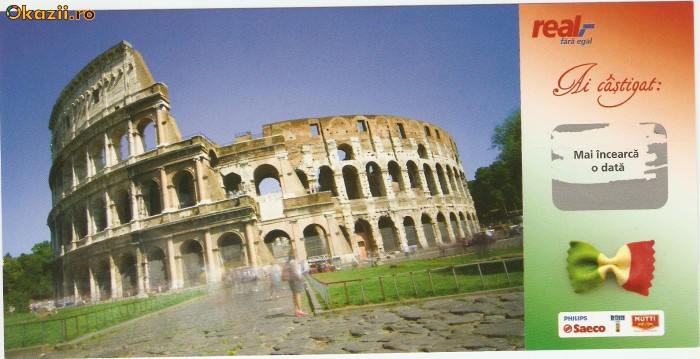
x: 164, y: 190
x: 139, y: 272
x: 135, y: 213
x: 130, y: 139
x: 108, y: 153
x: 212, y: 275
x: 109, y: 207
x: 172, y: 270
x: 113, y: 278
x: 249, y: 233
x: 160, y: 141
x: 201, y: 186
x: 94, y: 295
x: 403, y: 242
x: 330, y: 222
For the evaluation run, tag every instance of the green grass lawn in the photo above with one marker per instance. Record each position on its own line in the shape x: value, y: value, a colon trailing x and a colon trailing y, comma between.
x: 411, y: 280
x: 24, y: 329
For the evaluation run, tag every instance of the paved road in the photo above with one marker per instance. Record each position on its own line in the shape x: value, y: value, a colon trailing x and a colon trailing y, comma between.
x: 252, y: 323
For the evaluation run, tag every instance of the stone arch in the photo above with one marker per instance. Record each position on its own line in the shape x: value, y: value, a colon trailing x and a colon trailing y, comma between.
x: 233, y: 184
x: 67, y: 174
x: 430, y: 180
x: 463, y: 223
x: 120, y: 143
x: 366, y: 243
x: 353, y: 185
x: 326, y: 180
x: 122, y: 202
x: 97, y: 155
x: 81, y: 222
x: 441, y: 178
x: 80, y: 165
x: 390, y: 237
x: 213, y: 158
x: 375, y: 180
x: 157, y: 270
x: 193, y: 272
x: 345, y: 152
x: 454, y: 223
x: 413, y: 174
x: 231, y: 254
x: 153, y: 198
x: 185, y: 189
x: 422, y: 152
x: 127, y: 271
x: 409, y: 227
x: 428, y: 230
x: 268, y: 174
x: 303, y: 178
x: 103, y: 280
x: 81, y: 278
x: 279, y: 243
x: 451, y: 180
x: 442, y: 227
x: 99, y: 214
x: 147, y: 135
x: 315, y: 241
x: 396, y: 177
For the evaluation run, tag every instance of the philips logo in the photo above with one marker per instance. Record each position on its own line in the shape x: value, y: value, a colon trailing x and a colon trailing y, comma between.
x: 575, y: 318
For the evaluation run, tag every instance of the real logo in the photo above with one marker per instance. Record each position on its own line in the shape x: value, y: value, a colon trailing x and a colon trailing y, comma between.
x: 563, y: 28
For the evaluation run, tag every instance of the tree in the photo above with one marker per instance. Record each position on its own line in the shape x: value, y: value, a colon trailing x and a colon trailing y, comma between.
x: 497, y: 189
x: 27, y: 277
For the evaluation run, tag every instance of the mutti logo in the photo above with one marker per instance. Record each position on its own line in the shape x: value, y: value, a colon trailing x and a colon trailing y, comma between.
x: 645, y: 322
x: 563, y: 28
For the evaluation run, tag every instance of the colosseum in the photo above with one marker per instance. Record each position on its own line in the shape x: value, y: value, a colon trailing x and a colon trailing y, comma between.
x: 137, y: 209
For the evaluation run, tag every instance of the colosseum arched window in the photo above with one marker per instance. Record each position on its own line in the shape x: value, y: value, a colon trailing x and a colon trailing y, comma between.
x: 409, y: 227
x: 81, y: 223
x: 230, y: 251
x: 147, y: 138
x: 103, y: 279
x: 120, y: 144
x: 396, y: 177
x: 454, y: 224
x: 278, y: 242
x: 366, y: 243
x: 98, y: 214
x: 193, y: 271
x: 122, y: 202
x: 375, y: 180
x: 345, y: 152
x: 326, y: 180
x: 430, y: 179
x: 428, y: 229
x: 127, y: 271
x: 441, y: 179
x: 153, y: 199
x: 353, y: 185
x: 387, y: 230
x: 81, y: 276
x: 232, y: 184
x: 422, y: 152
x: 315, y: 241
x: 157, y: 270
x: 97, y: 155
x: 303, y: 178
x: 463, y: 224
x: 267, y: 180
x: 67, y: 174
x: 442, y: 227
x: 413, y: 174
x: 80, y: 166
x: 184, y: 188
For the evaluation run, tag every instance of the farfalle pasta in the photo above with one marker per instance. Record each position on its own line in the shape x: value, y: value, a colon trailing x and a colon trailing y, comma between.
x: 632, y: 265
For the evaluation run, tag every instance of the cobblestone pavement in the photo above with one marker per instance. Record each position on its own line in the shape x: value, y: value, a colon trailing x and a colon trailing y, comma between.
x: 252, y: 323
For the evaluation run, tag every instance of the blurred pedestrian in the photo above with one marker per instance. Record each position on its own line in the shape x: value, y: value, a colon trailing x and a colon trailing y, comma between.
x: 292, y: 274
x: 275, y: 279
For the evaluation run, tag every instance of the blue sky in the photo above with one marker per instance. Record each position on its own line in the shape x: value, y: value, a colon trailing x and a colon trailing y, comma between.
x: 234, y: 70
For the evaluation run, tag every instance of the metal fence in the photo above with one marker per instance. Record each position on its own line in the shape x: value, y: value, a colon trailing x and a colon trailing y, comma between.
x: 432, y: 282
x: 57, y: 330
